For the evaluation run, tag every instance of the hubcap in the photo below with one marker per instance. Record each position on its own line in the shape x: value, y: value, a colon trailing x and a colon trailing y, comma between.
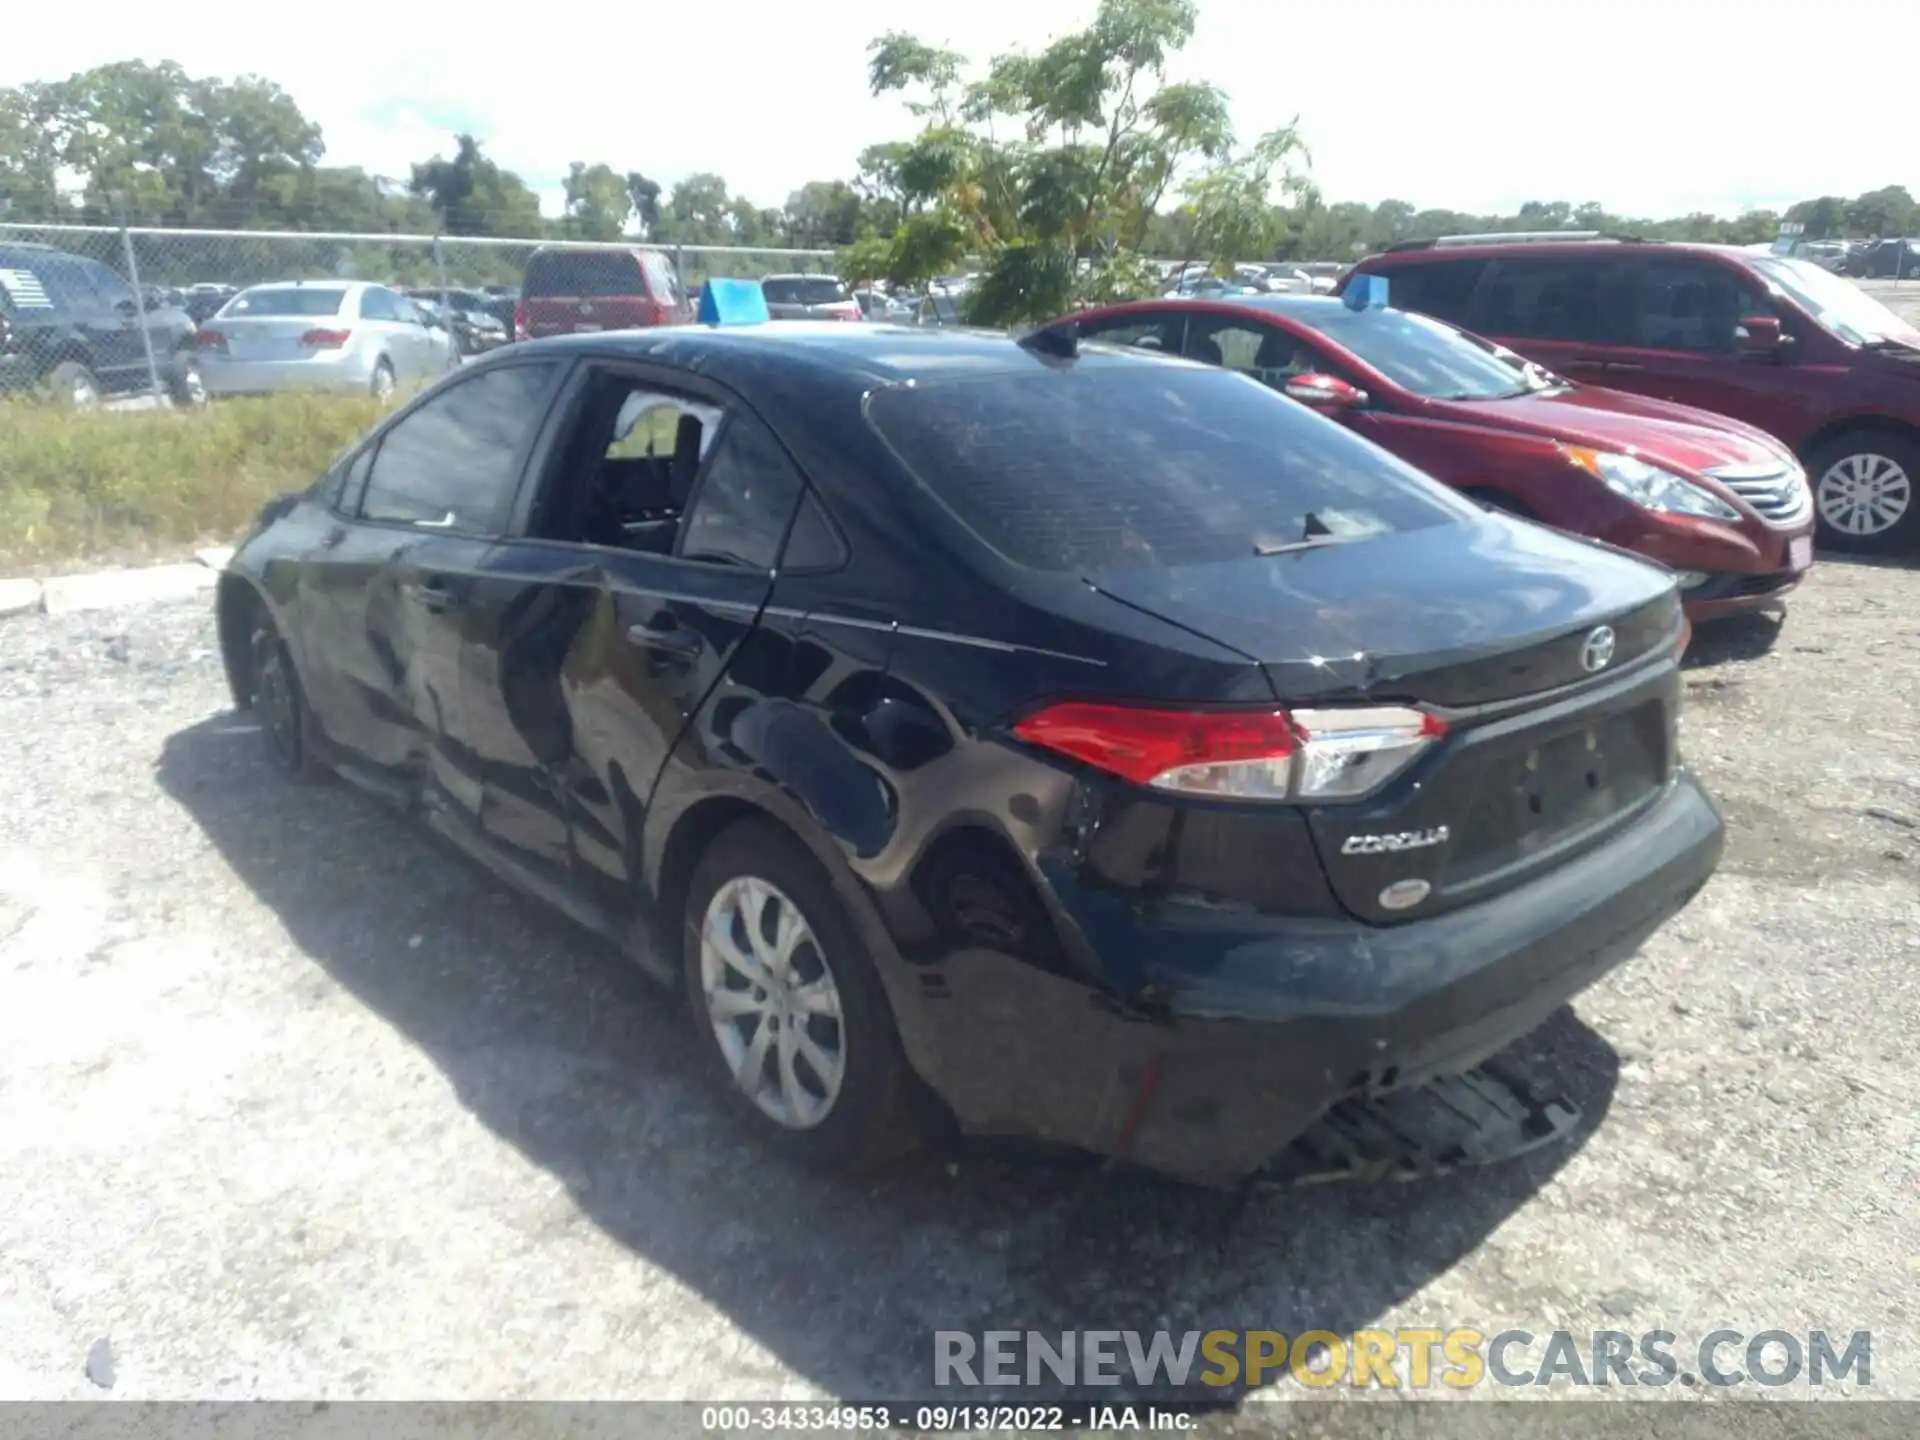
x: 194, y: 386
x: 1864, y: 494
x: 85, y: 396
x: 382, y: 383
x: 772, y: 1002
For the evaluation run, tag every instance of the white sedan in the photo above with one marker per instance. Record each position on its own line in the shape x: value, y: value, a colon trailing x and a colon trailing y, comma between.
x: 321, y: 335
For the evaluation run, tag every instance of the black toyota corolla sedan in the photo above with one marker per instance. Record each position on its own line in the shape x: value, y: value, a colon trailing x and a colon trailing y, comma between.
x: 1099, y: 747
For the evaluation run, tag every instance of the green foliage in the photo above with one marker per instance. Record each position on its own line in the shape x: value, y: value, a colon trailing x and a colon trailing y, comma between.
x: 474, y: 196
x: 100, y: 484
x: 1047, y: 166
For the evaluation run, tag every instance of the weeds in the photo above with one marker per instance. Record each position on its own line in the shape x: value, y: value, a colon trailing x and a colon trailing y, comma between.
x: 123, y: 485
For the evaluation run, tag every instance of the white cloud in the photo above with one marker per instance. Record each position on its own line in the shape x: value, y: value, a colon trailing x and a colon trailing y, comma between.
x: 1648, y: 108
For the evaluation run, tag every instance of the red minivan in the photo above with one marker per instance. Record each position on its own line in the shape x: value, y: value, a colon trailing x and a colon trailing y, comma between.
x: 572, y: 288
x: 1774, y: 341
x: 1719, y: 502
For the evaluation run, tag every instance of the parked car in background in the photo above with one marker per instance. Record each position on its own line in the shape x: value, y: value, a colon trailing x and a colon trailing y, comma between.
x: 72, y: 330
x: 1128, y: 756
x: 1773, y: 341
x: 1324, y: 274
x: 940, y: 306
x: 878, y: 306
x: 322, y: 335
x: 1886, y: 260
x: 572, y: 290
x: 809, y: 297
x: 470, y: 315
x: 1723, y: 505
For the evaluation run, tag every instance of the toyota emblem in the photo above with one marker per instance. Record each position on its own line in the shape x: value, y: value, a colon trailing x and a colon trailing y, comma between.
x: 1597, y: 653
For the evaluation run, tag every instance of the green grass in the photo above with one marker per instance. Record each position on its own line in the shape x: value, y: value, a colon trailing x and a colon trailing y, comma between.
x: 124, y: 486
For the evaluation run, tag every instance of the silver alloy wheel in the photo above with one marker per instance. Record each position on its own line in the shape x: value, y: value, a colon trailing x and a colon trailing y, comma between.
x: 772, y: 1002
x: 85, y: 394
x: 1864, y: 494
x: 193, y: 385
x: 383, y: 381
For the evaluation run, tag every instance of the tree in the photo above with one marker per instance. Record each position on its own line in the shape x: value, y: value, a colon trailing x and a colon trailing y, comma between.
x: 599, y: 202
x: 822, y: 213
x: 1051, y: 167
x: 697, y: 212
x: 644, y: 195
x: 474, y: 196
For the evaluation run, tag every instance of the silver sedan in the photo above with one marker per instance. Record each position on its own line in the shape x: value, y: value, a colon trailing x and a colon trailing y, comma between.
x: 321, y: 335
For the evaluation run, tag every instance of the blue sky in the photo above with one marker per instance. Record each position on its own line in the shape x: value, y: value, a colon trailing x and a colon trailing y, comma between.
x: 1648, y: 108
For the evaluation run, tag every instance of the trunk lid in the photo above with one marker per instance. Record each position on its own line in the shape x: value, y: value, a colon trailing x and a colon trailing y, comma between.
x: 1556, y: 736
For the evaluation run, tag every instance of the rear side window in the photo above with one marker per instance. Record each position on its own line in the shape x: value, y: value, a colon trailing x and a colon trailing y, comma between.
x: 583, y: 272
x: 453, y: 464
x: 378, y: 304
x: 1136, y: 464
x: 743, y: 502
x: 1553, y: 298
x: 67, y: 285
x: 1441, y: 288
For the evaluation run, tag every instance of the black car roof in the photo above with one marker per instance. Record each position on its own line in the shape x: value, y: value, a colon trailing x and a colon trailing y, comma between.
x: 885, y: 354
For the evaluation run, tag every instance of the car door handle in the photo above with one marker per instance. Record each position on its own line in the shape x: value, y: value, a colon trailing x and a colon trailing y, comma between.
x: 666, y: 635
x: 1586, y: 362
x: 1624, y: 365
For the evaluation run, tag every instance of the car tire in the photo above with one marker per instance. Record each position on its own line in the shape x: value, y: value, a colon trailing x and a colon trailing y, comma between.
x: 73, y: 385
x: 811, y: 1055
x: 188, y: 387
x: 280, y: 705
x: 382, y: 386
x: 1866, y: 492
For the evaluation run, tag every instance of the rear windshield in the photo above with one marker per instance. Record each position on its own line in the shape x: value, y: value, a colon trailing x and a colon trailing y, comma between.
x: 584, y: 272
x: 304, y: 301
x: 1105, y: 466
x: 803, y: 290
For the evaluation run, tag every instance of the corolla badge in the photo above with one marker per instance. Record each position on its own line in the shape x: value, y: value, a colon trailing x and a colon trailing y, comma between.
x: 1404, y: 894
x: 1597, y: 653
x: 1394, y: 843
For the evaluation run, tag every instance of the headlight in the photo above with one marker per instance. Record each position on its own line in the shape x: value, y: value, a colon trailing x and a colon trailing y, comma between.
x: 1648, y: 486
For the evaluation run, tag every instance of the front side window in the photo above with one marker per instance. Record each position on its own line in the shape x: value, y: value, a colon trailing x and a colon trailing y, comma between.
x: 1686, y: 304
x: 110, y: 287
x: 453, y: 464
x: 1115, y: 463
x: 1160, y: 332
x: 1268, y: 354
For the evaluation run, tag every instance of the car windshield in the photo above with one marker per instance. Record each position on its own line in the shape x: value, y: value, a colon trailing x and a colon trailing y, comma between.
x: 1837, y: 303
x: 803, y: 290
x: 287, y: 300
x: 1123, y: 464
x: 1423, y: 355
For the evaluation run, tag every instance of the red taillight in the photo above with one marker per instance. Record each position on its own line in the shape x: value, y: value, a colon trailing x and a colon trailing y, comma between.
x: 325, y: 339
x: 209, y: 340
x: 519, y: 321
x: 852, y: 312
x: 1306, y: 755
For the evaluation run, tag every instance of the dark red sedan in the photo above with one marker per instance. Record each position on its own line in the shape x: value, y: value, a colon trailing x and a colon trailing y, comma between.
x: 1722, y: 503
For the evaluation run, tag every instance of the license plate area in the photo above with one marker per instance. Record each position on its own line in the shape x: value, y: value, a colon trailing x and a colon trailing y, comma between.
x: 1543, y: 789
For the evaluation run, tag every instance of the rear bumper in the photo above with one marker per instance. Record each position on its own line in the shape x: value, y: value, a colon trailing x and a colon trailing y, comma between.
x: 350, y: 374
x: 1247, y: 1030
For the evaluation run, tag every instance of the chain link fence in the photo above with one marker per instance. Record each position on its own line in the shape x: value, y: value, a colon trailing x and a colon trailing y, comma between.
x: 198, y: 271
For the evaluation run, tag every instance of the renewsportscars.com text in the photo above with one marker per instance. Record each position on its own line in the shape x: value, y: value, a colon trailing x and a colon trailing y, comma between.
x: 1416, y: 1359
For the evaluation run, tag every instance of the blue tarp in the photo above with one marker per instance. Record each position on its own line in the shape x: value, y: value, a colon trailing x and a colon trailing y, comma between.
x: 732, y: 302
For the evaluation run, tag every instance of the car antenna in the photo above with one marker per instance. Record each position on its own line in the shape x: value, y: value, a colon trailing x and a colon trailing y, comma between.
x: 1060, y: 341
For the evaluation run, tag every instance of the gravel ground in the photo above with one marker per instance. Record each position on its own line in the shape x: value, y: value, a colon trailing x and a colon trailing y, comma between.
x: 295, y: 1103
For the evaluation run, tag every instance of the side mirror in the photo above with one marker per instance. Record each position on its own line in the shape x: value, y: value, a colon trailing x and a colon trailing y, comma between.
x: 1325, y: 392
x: 126, y: 307
x: 1760, y: 336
